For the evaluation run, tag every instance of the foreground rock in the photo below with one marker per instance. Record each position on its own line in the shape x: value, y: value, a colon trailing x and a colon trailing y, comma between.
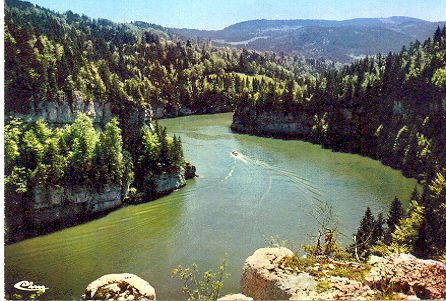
x: 266, y: 277
x: 277, y: 274
x: 407, y: 274
x: 262, y: 278
x: 119, y: 287
x: 234, y: 297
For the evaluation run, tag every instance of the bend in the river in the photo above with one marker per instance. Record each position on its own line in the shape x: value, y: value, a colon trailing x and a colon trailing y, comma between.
x: 269, y: 189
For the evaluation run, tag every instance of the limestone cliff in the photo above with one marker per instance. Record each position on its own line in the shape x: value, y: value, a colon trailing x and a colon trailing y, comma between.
x: 63, y: 111
x: 161, y: 111
x: 165, y: 183
x: 272, y: 123
x: 52, y: 204
x: 44, y: 209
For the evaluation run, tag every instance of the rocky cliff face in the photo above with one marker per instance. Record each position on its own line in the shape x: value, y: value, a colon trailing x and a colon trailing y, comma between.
x: 49, y: 208
x: 168, y: 182
x: 272, y: 123
x: 65, y: 112
x: 160, y: 111
x: 165, y: 183
x: 51, y: 204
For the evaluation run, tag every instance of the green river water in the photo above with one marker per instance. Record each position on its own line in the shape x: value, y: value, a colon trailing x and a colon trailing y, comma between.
x: 236, y: 203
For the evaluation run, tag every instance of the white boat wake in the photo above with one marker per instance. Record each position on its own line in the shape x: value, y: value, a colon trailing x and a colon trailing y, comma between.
x: 292, y: 177
x: 230, y: 173
x: 239, y: 156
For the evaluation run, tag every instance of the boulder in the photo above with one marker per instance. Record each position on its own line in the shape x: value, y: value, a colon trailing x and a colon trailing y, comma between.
x: 342, y: 288
x: 262, y: 278
x: 234, y: 297
x: 119, y: 287
x: 267, y: 276
x: 409, y: 275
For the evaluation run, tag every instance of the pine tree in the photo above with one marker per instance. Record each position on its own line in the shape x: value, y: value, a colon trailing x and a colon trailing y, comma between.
x: 164, y: 149
x: 437, y: 34
x: 176, y: 152
x: 396, y: 213
x: 112, y: 152
x: 288, y: 97
x: 179, y: 148
x: 378, y: 233
x: 366, y: 233
x: 435, y: 215
x: 414, y: 196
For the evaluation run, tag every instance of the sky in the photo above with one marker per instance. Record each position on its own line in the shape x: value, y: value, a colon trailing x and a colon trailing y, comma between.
x: 217, y: 14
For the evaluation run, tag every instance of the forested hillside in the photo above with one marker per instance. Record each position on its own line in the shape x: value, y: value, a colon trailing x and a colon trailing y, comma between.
x: 49, y: 55
x: 391, y: 108
x: 58, y: 63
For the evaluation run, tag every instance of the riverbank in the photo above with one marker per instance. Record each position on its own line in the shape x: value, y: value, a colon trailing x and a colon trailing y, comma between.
x: 300, y: 126
x: 54, y: 208
x: 161, y: 112
x: 272, y: 124
x: 73, y: 161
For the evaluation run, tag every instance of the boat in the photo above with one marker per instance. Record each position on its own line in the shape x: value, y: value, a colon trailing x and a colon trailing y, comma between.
x: 234, y: 153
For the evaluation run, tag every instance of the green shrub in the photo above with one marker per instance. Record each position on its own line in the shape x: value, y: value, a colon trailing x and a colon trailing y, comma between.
x: 197, y: 286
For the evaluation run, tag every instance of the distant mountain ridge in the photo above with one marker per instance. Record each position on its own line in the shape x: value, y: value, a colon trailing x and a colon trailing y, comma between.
x: 329, y: 39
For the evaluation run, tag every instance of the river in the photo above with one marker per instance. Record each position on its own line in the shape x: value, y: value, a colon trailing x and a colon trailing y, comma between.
x: 235, y: 205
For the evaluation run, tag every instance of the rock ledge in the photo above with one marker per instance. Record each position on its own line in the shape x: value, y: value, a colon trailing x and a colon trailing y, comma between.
x: 277, y: 274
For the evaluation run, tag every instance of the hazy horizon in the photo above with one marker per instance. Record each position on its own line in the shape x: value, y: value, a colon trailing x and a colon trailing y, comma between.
x: 200, y: 14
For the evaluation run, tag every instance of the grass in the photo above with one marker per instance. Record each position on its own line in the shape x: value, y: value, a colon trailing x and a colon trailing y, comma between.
x: 322, y: 286
x: 319, y: 267
x: 300, y: 263
x: 352, y: 273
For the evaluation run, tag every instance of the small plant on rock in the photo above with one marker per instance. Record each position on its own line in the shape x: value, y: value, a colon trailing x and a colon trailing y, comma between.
x: 325, y: 242
x: 197, y: 286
